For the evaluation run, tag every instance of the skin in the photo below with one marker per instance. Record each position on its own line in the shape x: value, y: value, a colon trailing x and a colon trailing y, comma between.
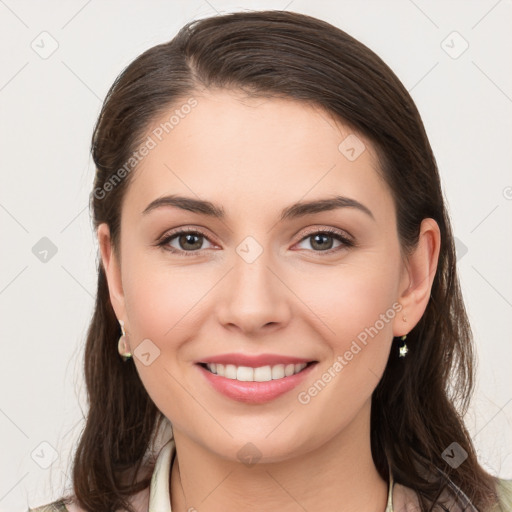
x: 254, y: 157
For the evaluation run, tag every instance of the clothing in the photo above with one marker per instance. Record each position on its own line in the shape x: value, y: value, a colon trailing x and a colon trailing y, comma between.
x: 159, y: 496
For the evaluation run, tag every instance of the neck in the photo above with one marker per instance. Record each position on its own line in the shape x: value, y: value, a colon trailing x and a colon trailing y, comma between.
x: 339, y: 475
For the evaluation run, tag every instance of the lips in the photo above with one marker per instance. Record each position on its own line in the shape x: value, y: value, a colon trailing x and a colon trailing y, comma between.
x: 254, y: 361
x: 254, y: 392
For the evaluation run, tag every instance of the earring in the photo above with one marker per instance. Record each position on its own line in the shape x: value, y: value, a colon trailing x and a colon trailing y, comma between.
x: 122, y: 345
x: 402, y: 351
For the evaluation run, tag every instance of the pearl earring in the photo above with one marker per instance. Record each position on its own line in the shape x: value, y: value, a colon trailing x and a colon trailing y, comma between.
x: 122, y: 345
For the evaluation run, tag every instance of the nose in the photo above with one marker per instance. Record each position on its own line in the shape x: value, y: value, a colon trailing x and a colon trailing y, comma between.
x: 253, y: 296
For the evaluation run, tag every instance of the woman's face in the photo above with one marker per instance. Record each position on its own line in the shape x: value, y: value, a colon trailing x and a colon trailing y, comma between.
x: 254, y: 281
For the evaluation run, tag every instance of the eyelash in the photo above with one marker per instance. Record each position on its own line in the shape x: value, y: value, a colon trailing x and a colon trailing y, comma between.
x: 346, y: 242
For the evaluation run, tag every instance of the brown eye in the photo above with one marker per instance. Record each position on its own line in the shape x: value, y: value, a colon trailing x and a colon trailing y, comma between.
x: 189, y: 241
x: 185, y: 242
x: 322, y: 241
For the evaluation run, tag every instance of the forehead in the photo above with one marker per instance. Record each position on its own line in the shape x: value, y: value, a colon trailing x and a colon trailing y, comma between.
x: 240, y: 151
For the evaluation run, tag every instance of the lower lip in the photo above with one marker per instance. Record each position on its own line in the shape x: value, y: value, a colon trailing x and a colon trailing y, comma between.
x: 255, y: 392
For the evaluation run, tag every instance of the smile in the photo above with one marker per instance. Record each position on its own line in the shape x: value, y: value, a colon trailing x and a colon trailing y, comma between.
x: 254, y: 385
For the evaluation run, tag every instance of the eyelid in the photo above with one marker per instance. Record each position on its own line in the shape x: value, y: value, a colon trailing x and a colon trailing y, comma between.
x: 329, y: 230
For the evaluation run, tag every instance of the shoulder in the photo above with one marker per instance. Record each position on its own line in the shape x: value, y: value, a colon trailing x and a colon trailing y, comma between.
x: 139, y: 502
x: 405, y: 499
x: 57, y: 506
x: 504, y: 489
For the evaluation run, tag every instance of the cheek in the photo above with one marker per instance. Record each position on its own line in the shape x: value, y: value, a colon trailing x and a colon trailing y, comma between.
x: 352, y: 298
x: 160, y: 298
x: 357, y: 307
x: 159, y: 305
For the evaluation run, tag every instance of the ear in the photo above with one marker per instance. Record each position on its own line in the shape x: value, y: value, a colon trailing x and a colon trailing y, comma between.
x: 417, y: 278
x: 112, y: 270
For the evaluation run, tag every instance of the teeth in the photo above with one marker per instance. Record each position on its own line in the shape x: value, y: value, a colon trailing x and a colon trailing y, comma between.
x: 260, y: 374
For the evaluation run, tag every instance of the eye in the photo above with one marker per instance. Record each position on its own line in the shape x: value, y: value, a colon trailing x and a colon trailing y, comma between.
x: 189, y: 242
x: 321, y: 240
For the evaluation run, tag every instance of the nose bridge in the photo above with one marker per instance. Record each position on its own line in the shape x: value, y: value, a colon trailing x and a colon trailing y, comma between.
x: 252, y: 276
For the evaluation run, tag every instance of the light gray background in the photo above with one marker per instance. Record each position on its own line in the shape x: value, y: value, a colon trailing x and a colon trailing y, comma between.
x: 48, y: 107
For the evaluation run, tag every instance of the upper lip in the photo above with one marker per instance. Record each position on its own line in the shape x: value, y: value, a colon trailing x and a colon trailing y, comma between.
x: 254, y: 361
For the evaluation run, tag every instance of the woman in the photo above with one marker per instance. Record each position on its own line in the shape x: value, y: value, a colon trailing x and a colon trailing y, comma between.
x: 278, y: 323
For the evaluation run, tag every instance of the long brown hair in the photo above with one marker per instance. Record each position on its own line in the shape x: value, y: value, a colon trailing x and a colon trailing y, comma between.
x: 418, y: 406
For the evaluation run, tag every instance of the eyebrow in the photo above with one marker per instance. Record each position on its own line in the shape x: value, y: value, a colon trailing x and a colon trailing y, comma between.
x: 293, y: 211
